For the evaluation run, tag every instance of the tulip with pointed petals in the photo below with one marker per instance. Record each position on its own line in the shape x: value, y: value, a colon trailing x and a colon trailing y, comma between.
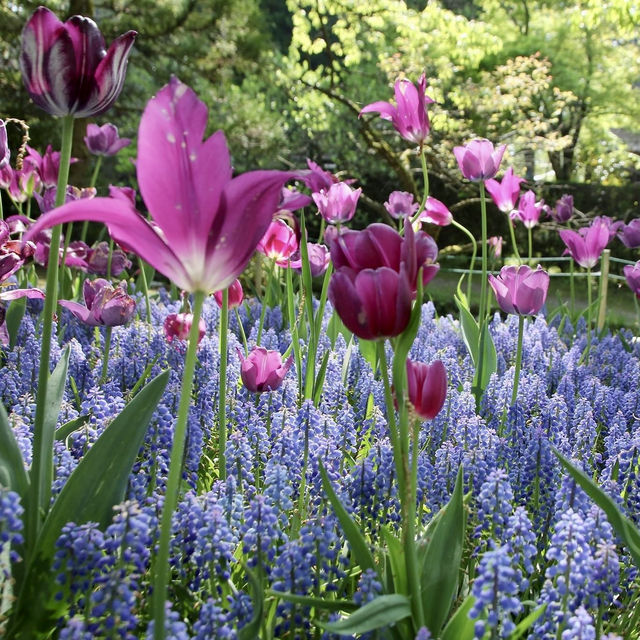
x: 587, y: 244
x: 528, y: 211
x: 632, y: 275
x: 104, y: 140
x: 105, y: 305
x: 279, y: 243
x: 47, y: 165
x: 5, y: 153
x: 263, y: 370
x: 337, y: 203
x: 520, y: 290
x: 401, y: 204
x: 66, y: 68
x: 178, y: 325
x: 206, y: 224
x: 409, y: 116
x: 427, y: 387
x: 629, y: 234
x: 236, y: 295
x: 478, y: 160
x: 436, y: 212
x: 563, y: 210
x: 613, y: 225
x: 505, y: 193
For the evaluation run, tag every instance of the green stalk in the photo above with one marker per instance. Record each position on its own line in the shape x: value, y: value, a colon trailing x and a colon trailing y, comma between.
x: 425, y: 178
x: 161, y: 564
x: 483, y: 295
x: 516, y: 375
x: 42, y: 466
x: 474, y: 253
x: 512, y: 233
x: 530, y: 242
x: 109, y: 261
x: 222, y: 387
x: 145, y: 288
x: 94, y: 178
x: 572, y: 287
x: 588, y: 349
x: 293, y: 325
x: 105, y: 357
x: 1, y: 209
x: 242, y: 333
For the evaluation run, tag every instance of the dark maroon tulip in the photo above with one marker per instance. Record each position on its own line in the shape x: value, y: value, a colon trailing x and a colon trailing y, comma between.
x: 427, y: 387
x: 104, y: 140
x: 106, y: 305
x: 177, y: 326
x: 263, y: 370
x: 66, y: 68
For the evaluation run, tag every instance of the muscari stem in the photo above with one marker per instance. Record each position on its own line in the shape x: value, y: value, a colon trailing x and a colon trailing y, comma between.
x: 474, y: 253
x: 161, y: 564
x: 145, y: 288
x: 222, y: 387
x: 516, y: 374
x: 42, y: 464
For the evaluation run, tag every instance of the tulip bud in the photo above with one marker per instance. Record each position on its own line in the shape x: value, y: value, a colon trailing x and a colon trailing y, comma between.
x: 263, y: 370
x: 177, y: 326
x: 427, y: 387
x: 236, y: 295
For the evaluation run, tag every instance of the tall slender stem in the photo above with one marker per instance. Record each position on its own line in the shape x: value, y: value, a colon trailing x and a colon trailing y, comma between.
x: 94, y: 178
x: 572, y: 288
x: 42, y: 459
x: 514, y: 244
x: 482, y: 320
x: 516, y: 374
x: 145, y: 288
x: 161, y: 565
x: 105, y: 355
x: 222, y: 386
x: 530, y: 243
x: 425, y: 178
x: 586, y: 356
x: 474, y: 253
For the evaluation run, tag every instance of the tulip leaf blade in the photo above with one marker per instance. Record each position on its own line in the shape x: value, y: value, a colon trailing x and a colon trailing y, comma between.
x: 252, y: 629
x: 316, y: 603
x: 358, y: 544
x: 14, y: 316
x: 623, y: 526
x: 68, y: 428
x: 379, y: 612
x: 440, y: 558
x: 13, y: 473
x: 460, y: 625
x: 525, y: 625
x: 368, y: 350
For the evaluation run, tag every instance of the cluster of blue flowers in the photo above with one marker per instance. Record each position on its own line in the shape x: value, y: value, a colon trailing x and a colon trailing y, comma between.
x: 533, y: 535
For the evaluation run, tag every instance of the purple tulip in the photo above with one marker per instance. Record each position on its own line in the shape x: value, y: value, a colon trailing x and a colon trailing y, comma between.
x: 47, y: 166
x: 65, y: 67
x: 47, y: 201
x: 292, y: 199
x: 338, y: 202
x: 629, y: 234
x: 528, y: 211
x: 586, y: 244
x: 177, y: 326
x: 316, y: 178
x: 6, y: 176
x: 106, y: 306
x: 5, y: 153
x: 207, y: 225
x: 104, y: 140
x: 409, y: 117
x: 612, y: 225
x: 319, y: 259
x: 436, y: 212
x: 563, y: 211
x: 279, y: 243
x: 505, y: 194
x: 401, y: 204
x: 520, y: 290
x: 632, y: 275
x: 263, y: 370
x: 98, y: 260
x: 236, y: 295
x: 478, y: 160
x: 427, y: 387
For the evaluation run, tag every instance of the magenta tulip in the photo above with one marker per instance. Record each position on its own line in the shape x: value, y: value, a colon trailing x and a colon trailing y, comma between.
x: 105, y: 305
x: 563, y: 211
x: 401, y: 204
x: 236, y: 295
x: 178, y: 325
x: 520, y: 290
x: 104, y: 140
x: 5, y: 153
x: 632, y: 275
x: 47, y: 165
x: 409, y: 116
x: 586, y: 244
x: 528, y: 211
x: 319, y: 259
x: 505, y: 194
x: 613, y: 225
x: 427, y: 387
x: 279, y: 243
x: 629, y: 234
x: 263, y: 370
x: 478, y: 160
x: 316, y: 178
x: 206, y: 225
x: 66, y: 68
x: 337, y: 203
x: 292, y: 199
x: 495, y: 246
x: 436, y: 212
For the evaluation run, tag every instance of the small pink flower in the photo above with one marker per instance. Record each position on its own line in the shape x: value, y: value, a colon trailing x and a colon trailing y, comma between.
x: 495, y: 245
x: 587, y: 244
x: 436, y: 212
x: 520, y: 290
x: 263, y: 370
x: 529, y: 211
x: 427, y: 387
x: 338, y: 202
x: 401, y: 204
x: 279, y: 243
x: 505, y: 194
x: 319, y: 259
x: 178, y: 325
x: 236, y: 295
x: 478, y: 160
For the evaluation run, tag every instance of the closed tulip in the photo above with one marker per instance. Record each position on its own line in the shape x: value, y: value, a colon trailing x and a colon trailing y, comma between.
x: 263, y: 370
x: 478, y: 160
x: 105, y: 305
x: 520, y: 290
x: 178, y: 325
x: 427, y: 387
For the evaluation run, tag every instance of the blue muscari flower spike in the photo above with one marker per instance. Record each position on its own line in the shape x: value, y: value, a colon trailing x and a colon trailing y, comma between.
x: 521, y: 541
x: 212, y: 623
x: 10, y: 526
x: 580, y: 626
x: 75, y: 629
x: 495, y: 505
x: 175, y: 628
x: 260, y: 533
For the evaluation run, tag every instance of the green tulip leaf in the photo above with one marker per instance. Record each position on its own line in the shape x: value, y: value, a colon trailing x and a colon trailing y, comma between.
x: 460, y: 625
x: 69, y: 427
x: 316, y: 603
x: 13, y: 473
x: 14, y: 316
x: 525, y: 625
x: 251, y: 630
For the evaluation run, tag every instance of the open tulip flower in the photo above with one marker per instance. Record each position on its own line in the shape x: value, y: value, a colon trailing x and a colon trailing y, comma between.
x: 66, y: 68
x: 337, y: 203
x: 587, y: 244
x: 436, y: 212
x: 427, y: 387
x: 505, y: 194
x: 520, y: 290
x: 263, y: 370
x: 106, y: 306
x: 279, y: 242
x: 632, y: 276
x: 629, y: 234
x: 409, y: 116
x: 401, y: 204
x: 206, y: 224
x: 478, y: 160
x: 104, y: 140
x: 528, y: 211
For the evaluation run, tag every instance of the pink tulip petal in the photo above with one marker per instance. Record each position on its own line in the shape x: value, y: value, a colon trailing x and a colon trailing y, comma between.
x: 14, y: 294
x: 79, y: 311
x: 386, y: 110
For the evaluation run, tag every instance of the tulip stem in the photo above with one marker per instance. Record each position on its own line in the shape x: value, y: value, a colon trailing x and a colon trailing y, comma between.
x: 516, y: 374
x: 585, y: 355
x: 145, y: 287
x: 514, y: 244
x: 530, y: 242
x: 222, y: 387
x: 242, y: 333
x: 105, y: 356
x: 42, y: 465
x: 425, y: 178
x: 161, y: 564
x: 572, y: 288
x: 94, y: 178
x: 109, y: 261
x: 474, y: 253
x: 482, y: 320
